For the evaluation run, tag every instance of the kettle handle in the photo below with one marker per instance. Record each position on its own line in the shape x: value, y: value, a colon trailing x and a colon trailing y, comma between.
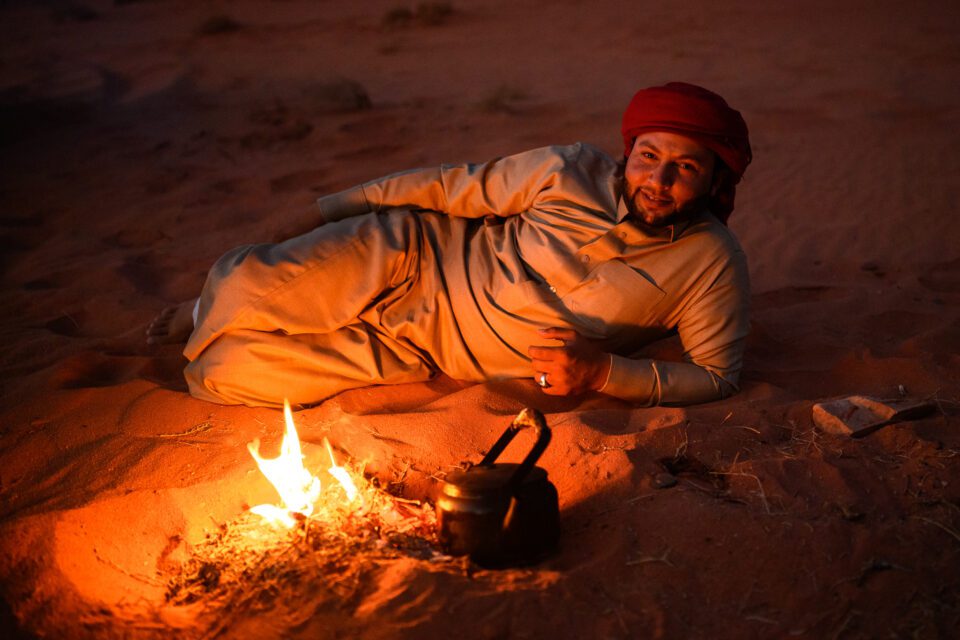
x: 526, y: 418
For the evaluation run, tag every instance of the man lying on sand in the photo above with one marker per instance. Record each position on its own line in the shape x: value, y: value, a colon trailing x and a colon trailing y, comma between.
x: 557, y: 263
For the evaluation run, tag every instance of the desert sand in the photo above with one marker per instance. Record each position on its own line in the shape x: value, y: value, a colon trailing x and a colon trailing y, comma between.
x: 141, y: 139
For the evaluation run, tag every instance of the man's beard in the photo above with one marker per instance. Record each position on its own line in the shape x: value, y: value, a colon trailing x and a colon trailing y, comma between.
x: 689, y: 209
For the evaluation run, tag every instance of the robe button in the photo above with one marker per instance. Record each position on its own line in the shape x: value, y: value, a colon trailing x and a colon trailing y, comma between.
x: 553, y: 289
x: 584, y: 258
x: 623, y: 234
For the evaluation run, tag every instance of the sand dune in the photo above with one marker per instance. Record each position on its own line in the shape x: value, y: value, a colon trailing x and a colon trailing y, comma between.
x: 141, y: 139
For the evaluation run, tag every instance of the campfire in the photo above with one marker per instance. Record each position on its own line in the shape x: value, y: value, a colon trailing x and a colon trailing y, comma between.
x: 322, y: 532
x: 298, y: 488
x: 326, y: 535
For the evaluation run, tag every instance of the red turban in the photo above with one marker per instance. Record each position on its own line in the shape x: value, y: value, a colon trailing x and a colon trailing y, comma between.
x: 700, y: 115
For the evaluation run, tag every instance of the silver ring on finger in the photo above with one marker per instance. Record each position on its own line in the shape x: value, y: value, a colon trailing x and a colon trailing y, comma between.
x: 543, y: 382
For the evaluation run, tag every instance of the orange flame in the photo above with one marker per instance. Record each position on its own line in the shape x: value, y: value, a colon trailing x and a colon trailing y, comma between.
x: 298, y: 488
x: 342, y: 475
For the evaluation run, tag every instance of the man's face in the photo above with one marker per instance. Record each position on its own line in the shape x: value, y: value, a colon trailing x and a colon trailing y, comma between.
x: 668, y: 178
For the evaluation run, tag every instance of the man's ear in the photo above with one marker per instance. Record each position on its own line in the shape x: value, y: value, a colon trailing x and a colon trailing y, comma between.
x: 721, y: 173
x: 717, y: 181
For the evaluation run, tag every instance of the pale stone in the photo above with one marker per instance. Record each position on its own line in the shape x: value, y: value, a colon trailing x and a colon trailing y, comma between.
x: 858, y: 416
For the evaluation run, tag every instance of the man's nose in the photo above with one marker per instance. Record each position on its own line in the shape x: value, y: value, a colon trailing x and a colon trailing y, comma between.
x: 661, y: 176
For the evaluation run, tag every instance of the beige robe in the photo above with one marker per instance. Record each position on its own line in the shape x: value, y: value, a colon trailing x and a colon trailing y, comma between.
x: 408, y: 276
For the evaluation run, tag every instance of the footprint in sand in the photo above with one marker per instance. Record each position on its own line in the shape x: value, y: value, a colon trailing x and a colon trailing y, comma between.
x: 663, y: 472
x: 167, y: 179
x: 150, y: 273
x: 789, y: 296
x: 943, y: 278
x: 91, y: 370
x: 685, y: 466
x: 369, y: 152
x: 55, y: 280
x: 312, y: 179
x: 136, y: 238
x: 67, y: 324
x: 143, y: 272
x: 19, y: 235
x: 276, y: 125
x: 41, y: 284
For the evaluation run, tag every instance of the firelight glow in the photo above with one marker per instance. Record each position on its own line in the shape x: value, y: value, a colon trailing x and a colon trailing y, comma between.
x: 341, y: 474
x: 298, y: 488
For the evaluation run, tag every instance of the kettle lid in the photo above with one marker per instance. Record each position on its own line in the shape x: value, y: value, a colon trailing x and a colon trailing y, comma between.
x: 485, y: 480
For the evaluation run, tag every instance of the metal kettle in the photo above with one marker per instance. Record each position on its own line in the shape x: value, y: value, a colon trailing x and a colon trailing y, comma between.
x: 502, y: 513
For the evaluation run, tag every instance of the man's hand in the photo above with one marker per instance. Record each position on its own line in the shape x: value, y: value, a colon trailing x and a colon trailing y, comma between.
x: 575, y: 367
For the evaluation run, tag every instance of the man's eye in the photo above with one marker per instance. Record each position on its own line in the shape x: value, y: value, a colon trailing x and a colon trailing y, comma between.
x: 648, y: 155
x: 692, y: 168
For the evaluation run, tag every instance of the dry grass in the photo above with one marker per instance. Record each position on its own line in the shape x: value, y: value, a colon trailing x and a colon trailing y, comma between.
x: 760, y: 492
x: 956, y: 536
x: 250, y: 565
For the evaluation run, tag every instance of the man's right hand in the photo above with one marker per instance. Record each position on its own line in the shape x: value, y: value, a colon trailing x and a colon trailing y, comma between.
x: 576, y: 366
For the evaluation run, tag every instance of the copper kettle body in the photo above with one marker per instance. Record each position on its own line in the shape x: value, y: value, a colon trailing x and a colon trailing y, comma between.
x: 502, y: 513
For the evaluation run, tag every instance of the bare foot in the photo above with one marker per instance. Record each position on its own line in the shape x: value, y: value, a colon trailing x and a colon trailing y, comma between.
x: 173, y: 324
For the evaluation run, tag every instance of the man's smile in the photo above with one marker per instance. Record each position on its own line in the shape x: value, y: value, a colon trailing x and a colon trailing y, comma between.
x: 656, y: 200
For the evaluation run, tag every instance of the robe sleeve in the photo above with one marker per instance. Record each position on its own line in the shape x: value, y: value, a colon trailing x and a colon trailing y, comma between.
x: 501, y: 187
x: 713, y: 331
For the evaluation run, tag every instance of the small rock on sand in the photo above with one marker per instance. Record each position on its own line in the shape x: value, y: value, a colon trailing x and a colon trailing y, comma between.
x: 858, y: 416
